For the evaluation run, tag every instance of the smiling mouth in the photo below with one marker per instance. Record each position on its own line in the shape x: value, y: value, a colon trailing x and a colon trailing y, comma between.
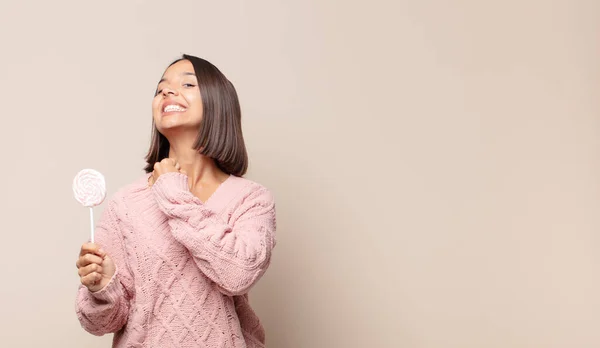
x: 173, y: 108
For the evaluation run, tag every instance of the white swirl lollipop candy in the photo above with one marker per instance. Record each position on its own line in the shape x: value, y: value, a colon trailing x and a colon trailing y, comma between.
x: 89, y: 188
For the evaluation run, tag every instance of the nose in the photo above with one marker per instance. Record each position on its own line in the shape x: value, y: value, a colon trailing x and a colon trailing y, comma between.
x: 168, y: 90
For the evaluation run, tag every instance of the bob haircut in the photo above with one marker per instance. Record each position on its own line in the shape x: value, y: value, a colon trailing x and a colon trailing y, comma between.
x: 220, y: 133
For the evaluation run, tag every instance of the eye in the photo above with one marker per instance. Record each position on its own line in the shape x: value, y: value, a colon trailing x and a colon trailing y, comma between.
x: 158, y: 92
x: 189, y: 85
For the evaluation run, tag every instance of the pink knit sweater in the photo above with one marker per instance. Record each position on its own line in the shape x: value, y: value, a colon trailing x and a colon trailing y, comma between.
x: 184, y: 267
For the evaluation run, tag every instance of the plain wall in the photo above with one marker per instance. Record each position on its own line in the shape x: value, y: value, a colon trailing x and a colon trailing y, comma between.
x: 436, y: 163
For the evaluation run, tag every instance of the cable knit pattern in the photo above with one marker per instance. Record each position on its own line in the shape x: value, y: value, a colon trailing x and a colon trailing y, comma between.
x: 184, y: 267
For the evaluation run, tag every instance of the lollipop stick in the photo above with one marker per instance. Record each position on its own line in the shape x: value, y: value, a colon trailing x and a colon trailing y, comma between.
x: 92, y: 222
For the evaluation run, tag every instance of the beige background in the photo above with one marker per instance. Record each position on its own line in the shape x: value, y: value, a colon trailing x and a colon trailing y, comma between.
x: 436, y: 163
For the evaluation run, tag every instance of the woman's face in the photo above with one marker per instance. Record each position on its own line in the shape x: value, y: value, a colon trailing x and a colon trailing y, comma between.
x: 177, y: 104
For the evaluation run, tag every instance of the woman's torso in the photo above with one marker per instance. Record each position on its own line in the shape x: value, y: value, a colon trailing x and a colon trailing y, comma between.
x: 175, y: 304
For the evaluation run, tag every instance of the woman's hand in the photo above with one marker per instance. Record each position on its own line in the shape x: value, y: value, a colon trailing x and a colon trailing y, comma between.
x: 167, y: 165
x: 95, y: 267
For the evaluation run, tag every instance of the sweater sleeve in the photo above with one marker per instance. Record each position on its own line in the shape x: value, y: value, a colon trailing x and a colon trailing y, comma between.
x: 234, y: 256
x: 106, y: 311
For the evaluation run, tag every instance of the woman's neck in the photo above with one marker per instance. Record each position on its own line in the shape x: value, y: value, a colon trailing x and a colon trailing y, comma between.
x: 201, y: 170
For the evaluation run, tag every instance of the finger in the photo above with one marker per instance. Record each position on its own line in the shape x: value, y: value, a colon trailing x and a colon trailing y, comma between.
x: 177, y: 166
x: 91, y: 279
x: 91, y: 248
x: 87, y: 248
x: 88, y: 259
x: 94, y: 267
x: 169, y: 162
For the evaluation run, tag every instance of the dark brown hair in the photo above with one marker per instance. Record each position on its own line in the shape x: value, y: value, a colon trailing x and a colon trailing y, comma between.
x: 220, y: 134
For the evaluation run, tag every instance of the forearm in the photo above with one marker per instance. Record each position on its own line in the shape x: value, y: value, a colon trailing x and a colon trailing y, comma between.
x: 233, y: 254
x: 104, y: 311
x: 234, y: 263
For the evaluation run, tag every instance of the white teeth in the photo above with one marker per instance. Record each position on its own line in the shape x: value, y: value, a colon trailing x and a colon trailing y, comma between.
x: 170, y: 108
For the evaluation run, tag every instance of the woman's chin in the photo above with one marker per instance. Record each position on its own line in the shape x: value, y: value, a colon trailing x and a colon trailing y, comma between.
x: 173, y: 128
x: 170, y: 122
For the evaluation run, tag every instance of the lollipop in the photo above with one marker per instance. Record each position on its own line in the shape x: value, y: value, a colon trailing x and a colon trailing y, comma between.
x: 89, y: 188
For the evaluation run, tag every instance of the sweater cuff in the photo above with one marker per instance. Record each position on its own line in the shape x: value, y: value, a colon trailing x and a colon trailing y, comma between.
x: 169, y: 186
x: 111, y: 293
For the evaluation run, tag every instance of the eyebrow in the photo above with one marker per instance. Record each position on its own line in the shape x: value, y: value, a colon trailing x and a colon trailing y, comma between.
x: 187, y: 73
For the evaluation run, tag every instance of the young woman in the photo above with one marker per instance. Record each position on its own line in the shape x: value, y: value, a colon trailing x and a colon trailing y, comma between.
x: 178, y: 250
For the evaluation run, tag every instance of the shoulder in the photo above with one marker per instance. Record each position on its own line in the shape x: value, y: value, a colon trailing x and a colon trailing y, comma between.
x: 127, y: 193
x: 250, y: 201
x: 251, y: 191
